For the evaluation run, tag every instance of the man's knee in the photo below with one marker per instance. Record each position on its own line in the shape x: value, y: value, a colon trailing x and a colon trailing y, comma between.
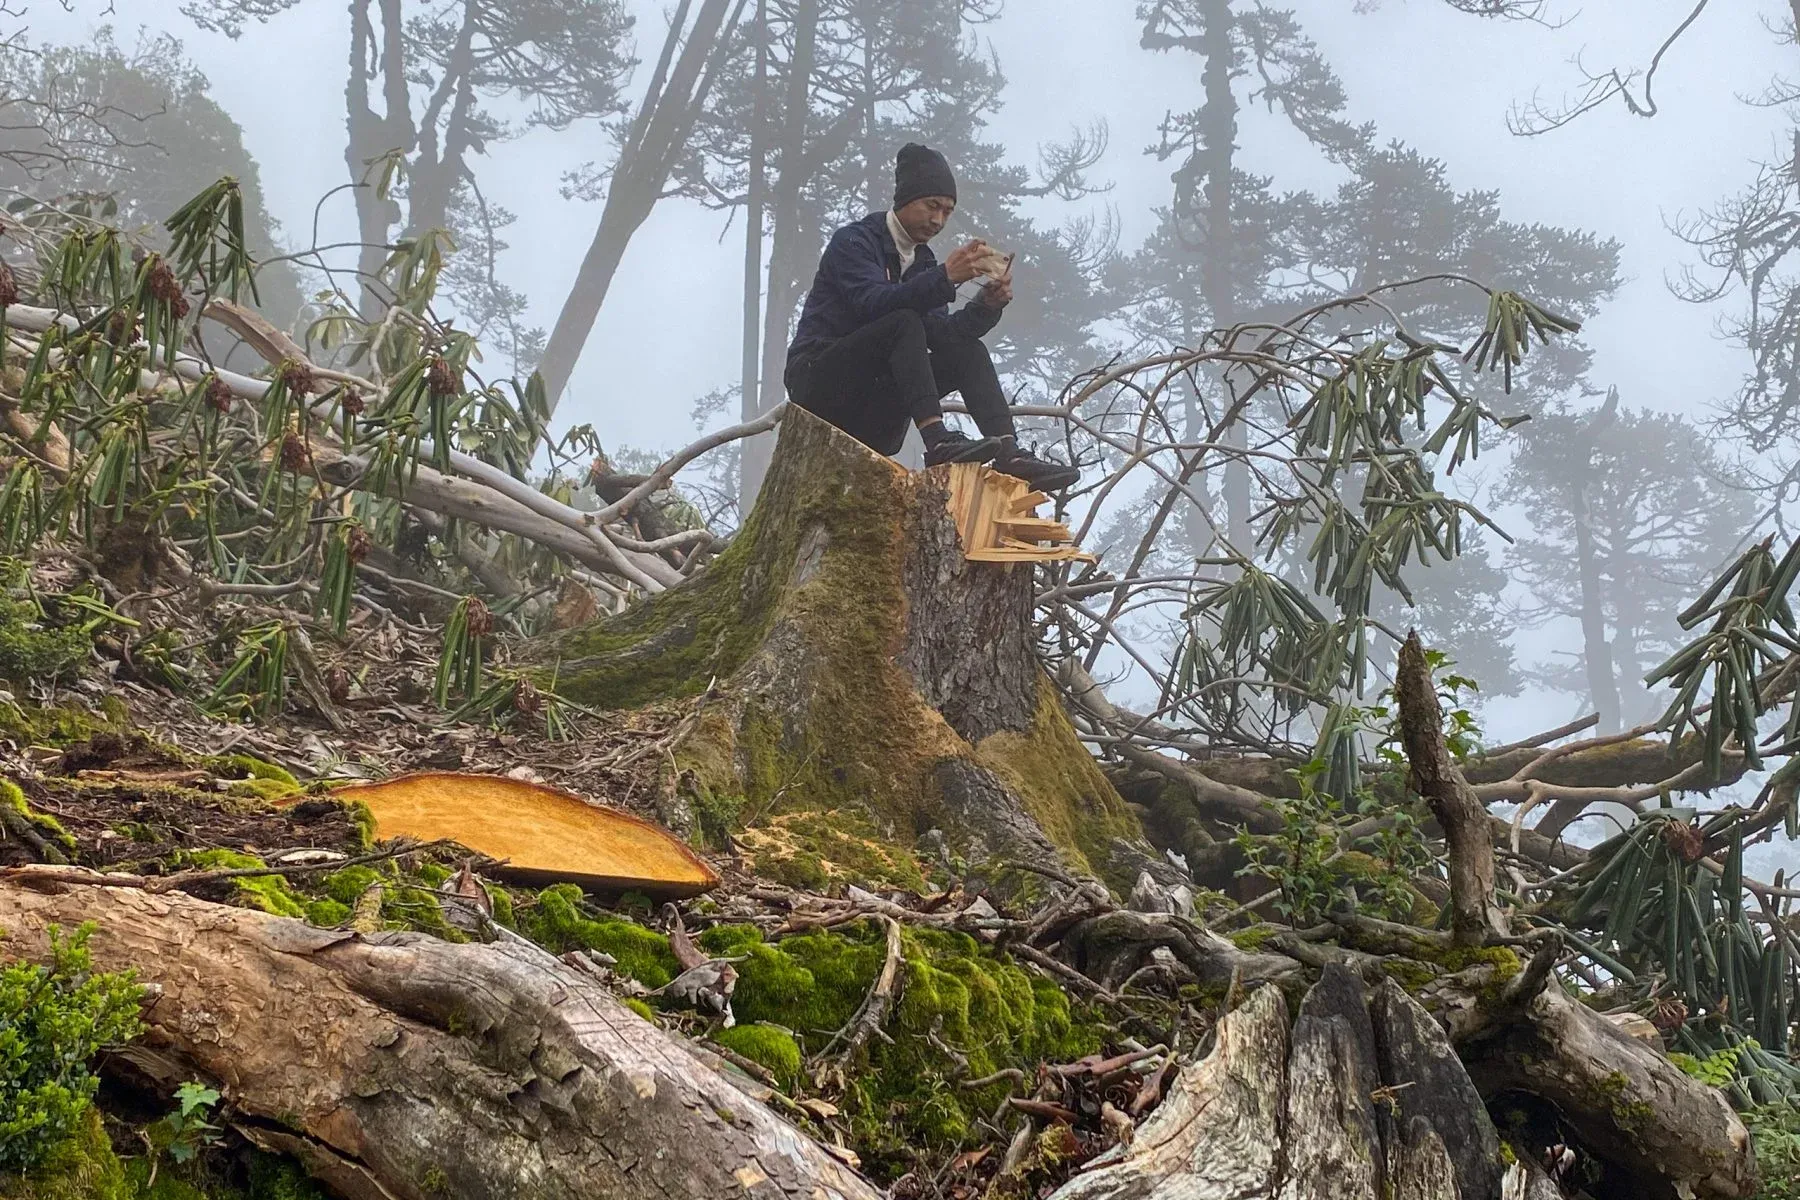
x: 946, y: 339
x: 903, y: 325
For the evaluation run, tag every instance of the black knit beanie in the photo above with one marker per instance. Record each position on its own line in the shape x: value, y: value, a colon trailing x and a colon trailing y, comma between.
x: 921, y: 171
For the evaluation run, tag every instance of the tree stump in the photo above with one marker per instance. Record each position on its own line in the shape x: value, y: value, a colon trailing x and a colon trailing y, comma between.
x: 854, y: 683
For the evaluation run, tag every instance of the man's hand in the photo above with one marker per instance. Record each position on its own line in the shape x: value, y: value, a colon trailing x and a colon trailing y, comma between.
x: 962, y: 261
x: 999, y: 293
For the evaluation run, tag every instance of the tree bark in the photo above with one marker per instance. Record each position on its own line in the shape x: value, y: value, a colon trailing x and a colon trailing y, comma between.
x: 1218, y: 134
x: 398, y: 1067
x: 1661, y: 1133
x: 1368, y: 1098
x: 1433, y: 1117
x: 1476, y: 917
x: 1217, y: 1136
x: 1333, y: 1147
x: 750, y: 390
x: 790, y: 240
x: 369, y: 136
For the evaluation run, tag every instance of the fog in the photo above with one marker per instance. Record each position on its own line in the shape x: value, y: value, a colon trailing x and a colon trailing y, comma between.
x: 1440, y: 81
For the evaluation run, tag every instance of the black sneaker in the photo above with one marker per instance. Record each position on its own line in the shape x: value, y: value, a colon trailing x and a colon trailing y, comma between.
x: 1043, y: 474
x: 955, y: 446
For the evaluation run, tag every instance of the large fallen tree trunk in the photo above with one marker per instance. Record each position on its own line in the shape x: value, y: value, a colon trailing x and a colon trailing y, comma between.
x: 861, y: 683
x: 399, y: 1067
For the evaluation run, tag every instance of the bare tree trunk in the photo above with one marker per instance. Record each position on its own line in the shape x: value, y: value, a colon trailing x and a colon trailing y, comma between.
x: 750, y: 392
x: 1218, y: 134
x: 1369, y: 1098
x: 659, y: 132
x: 1661, y: 1132
x: 1603, y: 684
x: 395, y: 1066
x: 438, y: 167
x: 1218, y: 1134
x: 370, y: 136
x: 790, y: 242
x: 1476, y: 918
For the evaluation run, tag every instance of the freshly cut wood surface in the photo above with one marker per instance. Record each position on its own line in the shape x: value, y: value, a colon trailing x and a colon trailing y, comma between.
x: 542, y: 834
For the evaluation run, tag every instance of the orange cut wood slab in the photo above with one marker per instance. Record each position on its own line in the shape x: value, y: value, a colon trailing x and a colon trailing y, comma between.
x: 544, y: 835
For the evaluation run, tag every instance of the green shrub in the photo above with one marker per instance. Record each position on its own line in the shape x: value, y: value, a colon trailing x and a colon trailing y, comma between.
x: 52, y: 1021
x: 29, y: 648
x: 1776, y: 1128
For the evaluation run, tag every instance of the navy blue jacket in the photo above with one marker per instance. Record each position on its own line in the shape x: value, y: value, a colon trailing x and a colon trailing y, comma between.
x: 859, y: 281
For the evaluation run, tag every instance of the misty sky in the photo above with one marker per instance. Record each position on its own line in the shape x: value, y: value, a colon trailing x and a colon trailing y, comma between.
x: 1438, y: 80
x: 1434, y: 78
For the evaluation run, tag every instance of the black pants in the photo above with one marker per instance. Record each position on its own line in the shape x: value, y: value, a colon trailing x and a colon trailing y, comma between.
x: 894, y: 371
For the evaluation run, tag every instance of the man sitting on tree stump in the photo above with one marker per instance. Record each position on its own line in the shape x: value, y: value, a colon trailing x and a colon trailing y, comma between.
x: 878, y: 345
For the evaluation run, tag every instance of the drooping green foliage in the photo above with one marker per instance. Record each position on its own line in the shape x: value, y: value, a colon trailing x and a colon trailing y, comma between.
x: 1666, y: 928
x: 53, y: 1019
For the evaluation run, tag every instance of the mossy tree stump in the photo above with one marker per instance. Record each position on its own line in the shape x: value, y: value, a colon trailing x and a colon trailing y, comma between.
x: 856, y: 684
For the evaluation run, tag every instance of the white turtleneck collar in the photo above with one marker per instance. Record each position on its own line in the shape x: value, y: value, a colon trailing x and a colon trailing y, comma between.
x: 903, y: 242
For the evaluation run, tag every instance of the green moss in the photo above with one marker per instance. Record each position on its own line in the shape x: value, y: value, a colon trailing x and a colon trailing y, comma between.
x: 261, y: 789
x: 1063, y: 788
x: 326, y: 913
x: 558, y: 923
x: 1409, y: 973
x: 252, y: 767
x: 59, y: 725
x: 83, y: 1167
x: 270, y: 893
x: 503, y: 905
x: 433, y: 874
x: 1504, y: 959
x: 169, y: 1183
x: 276, y: 1178
x: 1630, y: 1115
x: 347, y: 884
x: 767, y: 1046
x: 418, y: 909
x: 48, y: 827
x: 907, y: 1095
x: 364, y: 819
x: 435, y: 1182
x: 814, y: 850
x: 1507, y: 1155
x: 1252, y: 939
x: 30, y: 648
x: 641, y: 1008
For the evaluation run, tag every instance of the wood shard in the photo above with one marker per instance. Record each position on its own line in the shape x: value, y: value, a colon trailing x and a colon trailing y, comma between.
x: 996, y: 518
x: 538, y: 834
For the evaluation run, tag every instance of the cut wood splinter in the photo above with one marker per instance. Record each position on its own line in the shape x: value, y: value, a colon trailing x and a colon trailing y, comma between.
x: 540, y: 834
x: 996, y: 518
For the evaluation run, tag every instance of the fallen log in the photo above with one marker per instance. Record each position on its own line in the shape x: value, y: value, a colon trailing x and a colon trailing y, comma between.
x: 1367, y: 1098
x: 395, y: 1066
x: 1661, y: 1133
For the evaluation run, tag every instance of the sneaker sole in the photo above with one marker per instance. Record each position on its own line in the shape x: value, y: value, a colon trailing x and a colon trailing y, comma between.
x: 975, y: 452
x: 1046, y: 481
